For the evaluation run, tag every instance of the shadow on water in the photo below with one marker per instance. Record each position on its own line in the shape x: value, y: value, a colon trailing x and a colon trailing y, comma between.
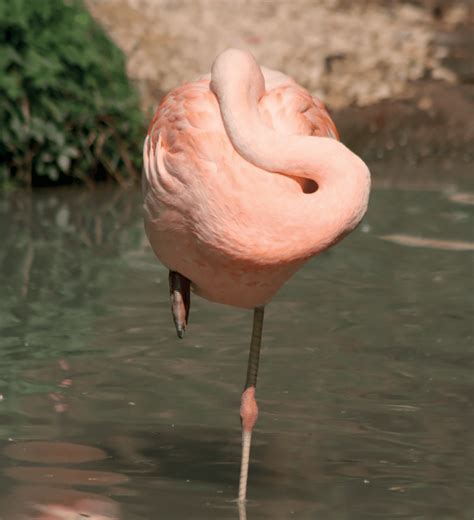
x: 366, y: 378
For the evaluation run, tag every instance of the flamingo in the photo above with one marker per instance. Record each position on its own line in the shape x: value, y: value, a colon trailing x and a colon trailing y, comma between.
x: 245, y: 179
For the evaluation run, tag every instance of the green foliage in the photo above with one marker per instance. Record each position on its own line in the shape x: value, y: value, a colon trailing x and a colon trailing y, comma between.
x: 67, y: 111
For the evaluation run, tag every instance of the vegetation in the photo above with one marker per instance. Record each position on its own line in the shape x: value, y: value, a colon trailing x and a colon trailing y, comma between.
x: 67, y: 111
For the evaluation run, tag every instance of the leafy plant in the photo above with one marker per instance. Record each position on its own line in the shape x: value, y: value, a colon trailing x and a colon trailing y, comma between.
x: 67, y: 110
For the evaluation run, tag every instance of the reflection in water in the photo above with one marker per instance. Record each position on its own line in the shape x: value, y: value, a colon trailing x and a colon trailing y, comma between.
x: 43, y: 502
x: 53, y: 452
x: 58, y: 475
x: 365, y: 391
x: 58, y: 397
x: 462, y: 198
x: 413, y: 241
x: 58, y: 503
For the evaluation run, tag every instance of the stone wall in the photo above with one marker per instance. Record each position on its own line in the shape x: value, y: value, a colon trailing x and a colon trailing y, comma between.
x: 347, y: 53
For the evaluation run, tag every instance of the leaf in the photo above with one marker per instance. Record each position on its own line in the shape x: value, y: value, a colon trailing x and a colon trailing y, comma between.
x: 52, y: 172
x: 10, y: 86
x: 63, y: 90
x: 64, y: 162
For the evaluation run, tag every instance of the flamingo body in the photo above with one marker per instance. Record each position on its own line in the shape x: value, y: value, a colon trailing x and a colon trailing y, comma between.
x: 232, y: 222
x: 245, y: 180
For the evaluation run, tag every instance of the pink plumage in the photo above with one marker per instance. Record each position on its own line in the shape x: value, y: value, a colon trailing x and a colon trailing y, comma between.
x: 245, y: 179
x: 238, y: 230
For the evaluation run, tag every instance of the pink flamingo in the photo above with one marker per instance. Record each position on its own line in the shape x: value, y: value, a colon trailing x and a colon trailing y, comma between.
x: 245, y: 180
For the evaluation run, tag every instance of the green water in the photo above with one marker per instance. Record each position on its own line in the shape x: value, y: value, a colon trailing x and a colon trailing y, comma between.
x: 366, y: 385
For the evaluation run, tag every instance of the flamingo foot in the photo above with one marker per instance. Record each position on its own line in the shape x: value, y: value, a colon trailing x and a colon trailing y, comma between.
x: 180, y: 289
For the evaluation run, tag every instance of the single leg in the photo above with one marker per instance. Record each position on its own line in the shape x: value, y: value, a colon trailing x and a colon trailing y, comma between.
x: 180, y: 289
x: 242, y: 511
x: 248, y: 407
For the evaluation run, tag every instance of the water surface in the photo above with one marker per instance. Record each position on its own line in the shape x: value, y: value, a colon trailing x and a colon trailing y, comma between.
x: 365, y: 389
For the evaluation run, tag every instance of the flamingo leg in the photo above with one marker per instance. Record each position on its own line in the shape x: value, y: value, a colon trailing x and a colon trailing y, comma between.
x: 180, y: 288
x: 248, y: 406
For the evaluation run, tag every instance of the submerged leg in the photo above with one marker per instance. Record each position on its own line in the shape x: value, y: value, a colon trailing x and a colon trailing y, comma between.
x: 248, y: 407
x: 180, y: 288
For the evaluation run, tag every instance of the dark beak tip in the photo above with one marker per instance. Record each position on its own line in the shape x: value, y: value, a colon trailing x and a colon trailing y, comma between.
x: 180, y: 333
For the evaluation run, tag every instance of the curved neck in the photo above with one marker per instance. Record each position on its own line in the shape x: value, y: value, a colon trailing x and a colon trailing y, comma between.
x: 342, y: 177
